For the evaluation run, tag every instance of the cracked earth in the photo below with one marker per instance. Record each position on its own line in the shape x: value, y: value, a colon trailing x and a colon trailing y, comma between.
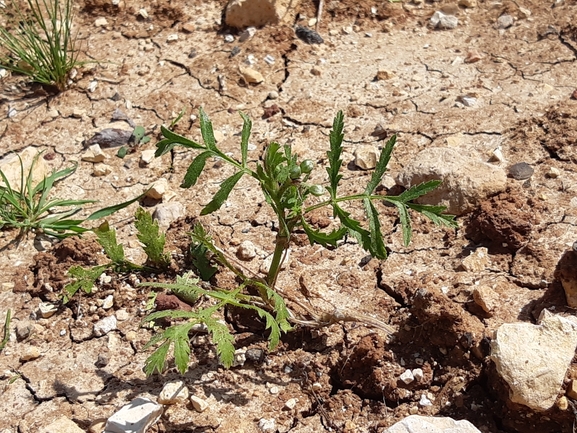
x: 475, y: 88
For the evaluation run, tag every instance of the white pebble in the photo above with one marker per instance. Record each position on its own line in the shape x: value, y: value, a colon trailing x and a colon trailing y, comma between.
x: 198, y: 403
x: 407, y: 376
x: 173, y: 392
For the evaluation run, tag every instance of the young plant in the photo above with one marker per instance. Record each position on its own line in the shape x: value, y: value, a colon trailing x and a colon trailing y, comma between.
x: 153, y: 244
x: 38, y: 40
x: 27, y: 206
x: 285, y: 184
x: 6, y: 337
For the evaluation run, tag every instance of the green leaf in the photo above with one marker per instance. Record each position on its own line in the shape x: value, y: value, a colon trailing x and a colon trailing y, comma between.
x: 199, y: 250
x: 416, y: 191
x: 324, y: 239
x: 122, y: 152
x: 378, y: 248
x: 104, y: 212
x: 157, y: 360
x: 149, y: 234
x: 195, y: 169
x: 206, y: 131
x: 334, y: 154
x: 435, y: 214
x: 85, y: 279
x: 246, y: 128
x: 381, y: 167
x: 223, y: 339
x: 171, y: 140
x: 107, y: 239
x: 353, y: 227
x: 6, y: 337
x: 138, y: 134
x: 222, y: 194
x: 182, y: 348
x: 405, y: 222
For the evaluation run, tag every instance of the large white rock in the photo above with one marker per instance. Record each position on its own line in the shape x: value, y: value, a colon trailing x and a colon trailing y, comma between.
x: 465, y: 180
x: 533, y: 359
x: 258, y: 13
x: 430, y: 424
x: 135, y: 417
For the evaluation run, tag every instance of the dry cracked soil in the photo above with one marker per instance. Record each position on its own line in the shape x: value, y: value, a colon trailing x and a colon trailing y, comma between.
x: 475, y: 88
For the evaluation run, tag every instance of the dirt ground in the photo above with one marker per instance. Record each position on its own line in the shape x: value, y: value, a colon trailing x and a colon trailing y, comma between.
x: 345, y: 377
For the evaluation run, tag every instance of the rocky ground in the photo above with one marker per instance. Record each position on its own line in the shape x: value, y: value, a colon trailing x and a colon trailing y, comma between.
x: 488, y: 104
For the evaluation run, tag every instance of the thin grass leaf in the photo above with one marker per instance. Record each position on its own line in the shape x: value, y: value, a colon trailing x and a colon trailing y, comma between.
x: 104, y: 212
x: 246, y: 128
x: 172, y: 139
x: 6, y: 337
x: 381, y: 167
x: 334, y: 154
x: 222, y: 194
x: 195, y: 169
x: 206, y: 131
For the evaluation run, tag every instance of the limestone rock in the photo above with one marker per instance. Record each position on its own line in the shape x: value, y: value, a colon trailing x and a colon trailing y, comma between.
x: 100, y: 169
x: 533, y: 359
x: 139, y: 414
x: 465, y: 180
x: 173, y: 392
x: 423, y: 424
x: 198, y: 403
x: 486, y: 298
x: 10, y: 166
x: 439, y: 20
x: 246, y: 251
x: 477, y: 261
x: 29, y: 354
x: 250, y: 75
x: 257, y: 13
x: 94, y: 154
x: 158, y: 189
x: 104, y: 326
x: 62, y: 425
x: 166, y: 213
x: 366, y: 157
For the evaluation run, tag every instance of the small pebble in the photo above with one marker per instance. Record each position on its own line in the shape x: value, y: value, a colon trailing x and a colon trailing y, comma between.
x: 254, y: 355
x: 424, y: 401
x: 418, y: 374
x: 407, y: 377
x: 290, y: 403
x: 198, y: 403
x: 246, y: 251
x: 108, y: 302
x: 554, y: 173
x: 229, y: 38
x: 307, y: 35
x: 47, y: 309
x: 267, y: 425
x: 173, y: 392
x: 521, y: 171
x: 104, y: 326
x: 30, y: 354
x: 505, y: 21
x: 247, y: 34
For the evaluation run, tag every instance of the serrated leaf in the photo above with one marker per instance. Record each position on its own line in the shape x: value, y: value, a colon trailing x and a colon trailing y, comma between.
x: 246, y: 128
x: 405, y: 222
x: 107, y: 239
x: 149, y: 234
x: 85, y: 279
x: 157, y: 360
x: 222, y: 194
x: 417, y: 191
x: 182, y: 349
x: 195, y: 169
x: 353, y: 227
x: 224, y: 341
x: 334, y: 154
x: 378, y: 249
x: 382, y: 164
x: 172, y: 139
x: 324, y: 239
x: 207, y: 131
x: 435, y: 214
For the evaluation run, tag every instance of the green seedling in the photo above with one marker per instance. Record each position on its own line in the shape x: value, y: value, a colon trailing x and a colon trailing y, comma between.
x: 153, y: 244
x: 287, y: 189
x: 139, y: 137
x: 39, y: 41
x: 28, y: 207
